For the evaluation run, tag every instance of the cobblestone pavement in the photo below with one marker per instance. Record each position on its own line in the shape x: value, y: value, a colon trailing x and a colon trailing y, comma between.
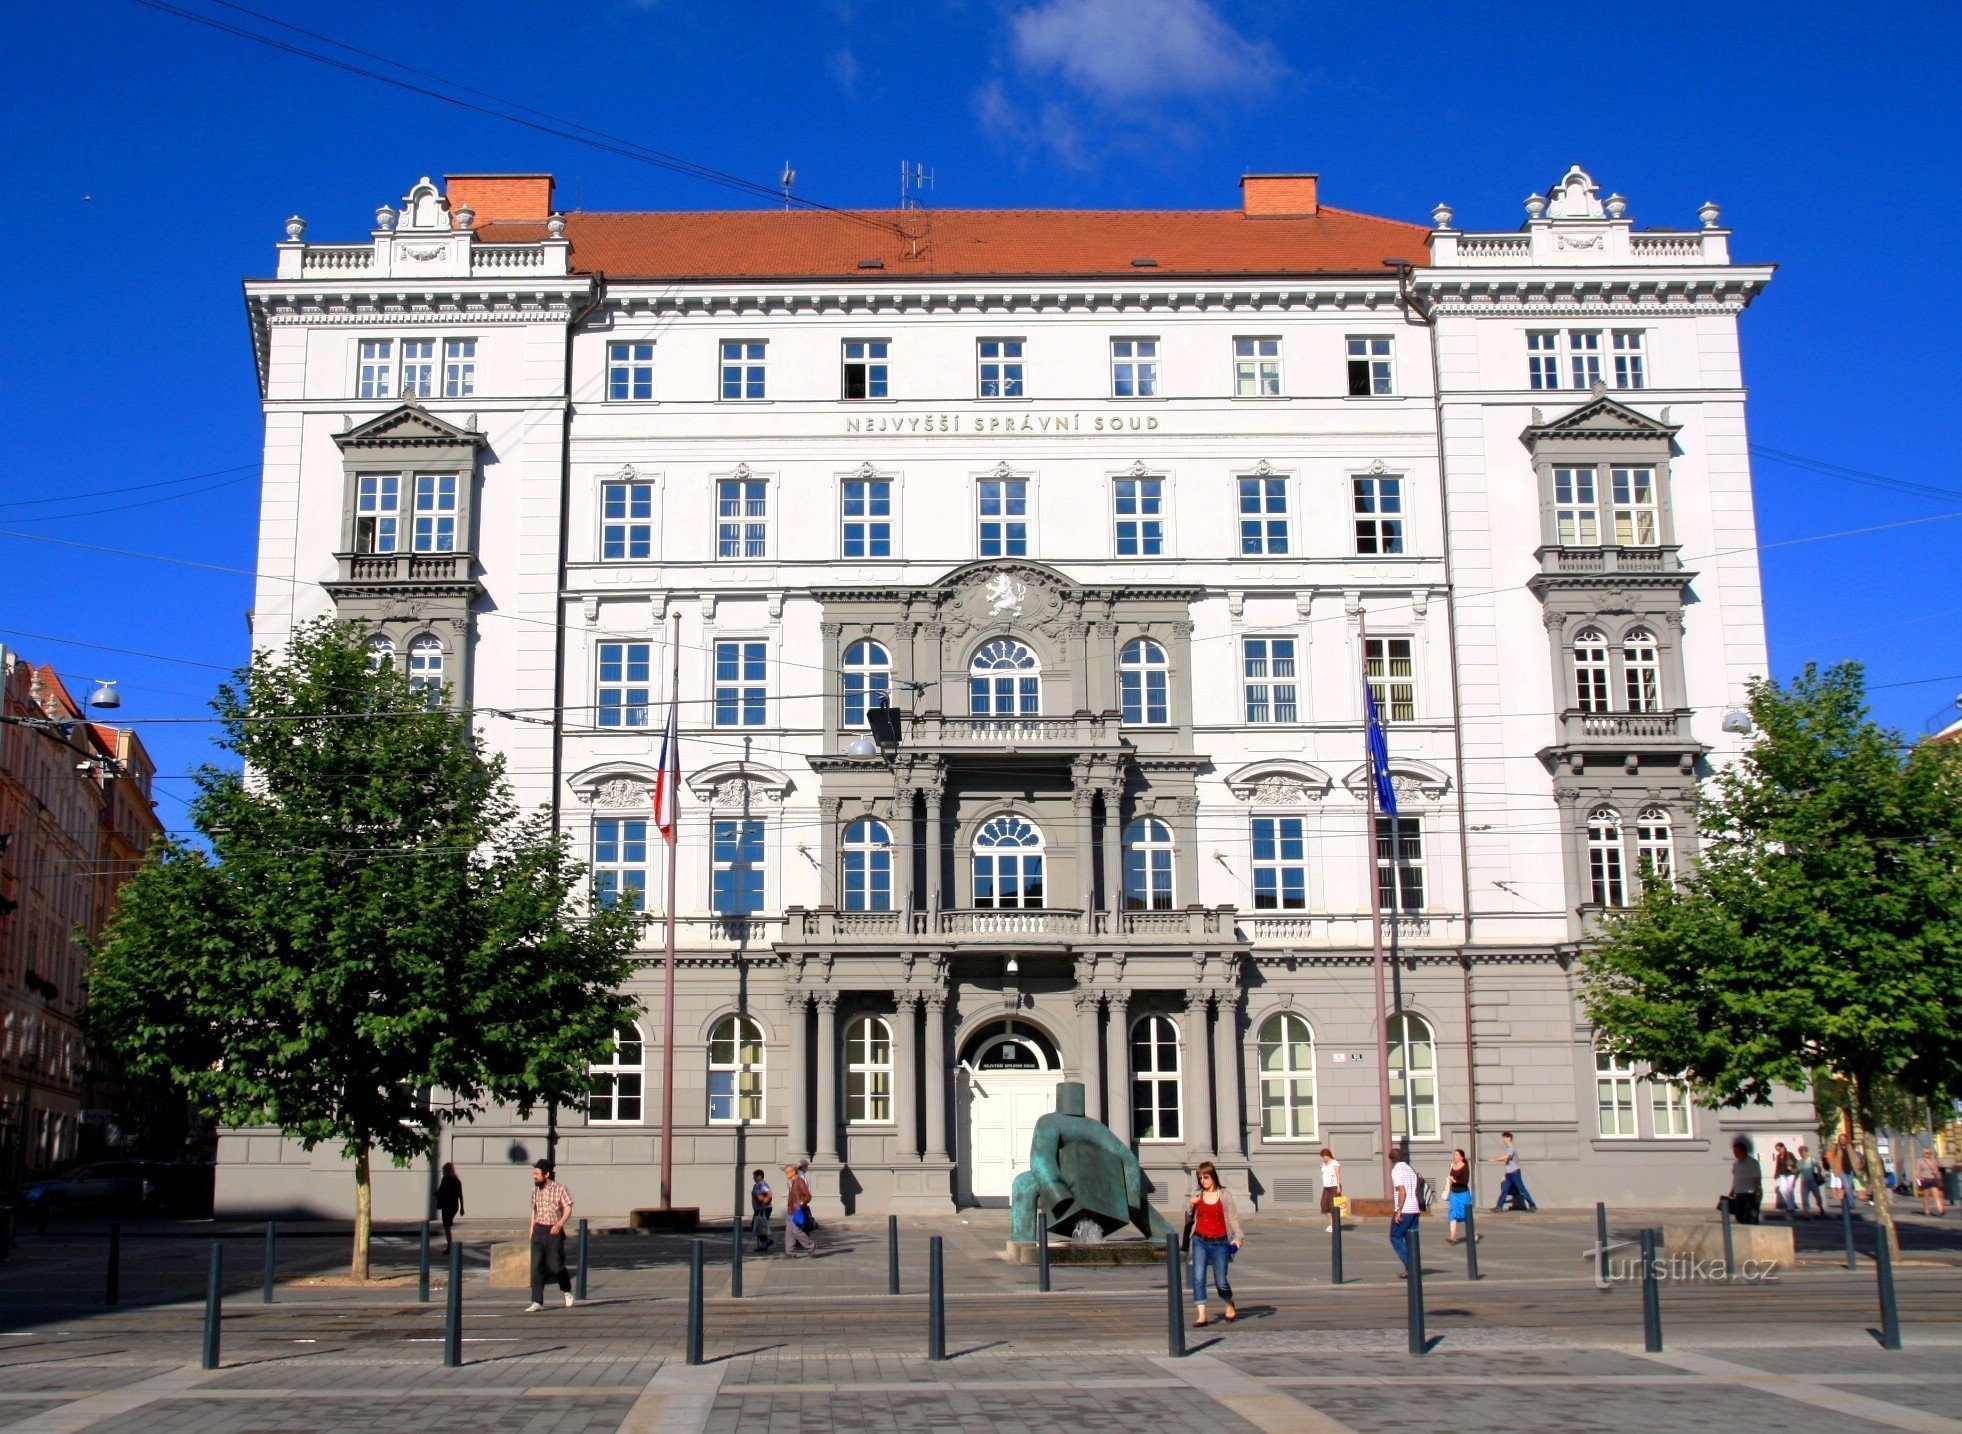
x: 819, y: 1344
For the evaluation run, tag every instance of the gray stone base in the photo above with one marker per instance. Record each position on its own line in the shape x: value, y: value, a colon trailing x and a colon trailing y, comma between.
x: 511, y: 1265
x: 1104, y: 1252
x: 1765, y: 1244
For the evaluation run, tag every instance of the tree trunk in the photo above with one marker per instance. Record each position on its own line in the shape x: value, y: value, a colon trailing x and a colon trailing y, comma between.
x: 364, y: 1212
x: 1883, y: 1206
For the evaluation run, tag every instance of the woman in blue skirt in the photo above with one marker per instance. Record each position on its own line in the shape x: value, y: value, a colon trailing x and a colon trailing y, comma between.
x: 1461, y: 1197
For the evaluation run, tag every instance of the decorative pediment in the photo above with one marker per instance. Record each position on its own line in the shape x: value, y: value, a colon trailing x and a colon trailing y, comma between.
x: 617, y: 786
x: 409, y: 425
x: 1411, y: 780
x: 1280, y: 783
x: 739, y: 786
x: 1001, y: 595
x: 1601, y: 417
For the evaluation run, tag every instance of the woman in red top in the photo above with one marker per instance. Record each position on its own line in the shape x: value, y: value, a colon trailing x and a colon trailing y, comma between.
x: 1216, y: 1234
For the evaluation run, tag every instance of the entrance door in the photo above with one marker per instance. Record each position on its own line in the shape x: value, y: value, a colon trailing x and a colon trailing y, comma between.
x: 999, y: 1110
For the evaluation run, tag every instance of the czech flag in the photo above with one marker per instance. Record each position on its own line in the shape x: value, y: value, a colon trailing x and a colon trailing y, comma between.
x: 667, y: 785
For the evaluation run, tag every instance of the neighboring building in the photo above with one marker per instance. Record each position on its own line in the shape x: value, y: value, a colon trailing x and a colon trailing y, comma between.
x: 1118, y: 507
x: 76, y: 819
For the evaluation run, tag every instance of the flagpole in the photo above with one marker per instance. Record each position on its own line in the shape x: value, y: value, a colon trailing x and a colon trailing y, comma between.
x: 667, y: 978
x: 1375, y: 915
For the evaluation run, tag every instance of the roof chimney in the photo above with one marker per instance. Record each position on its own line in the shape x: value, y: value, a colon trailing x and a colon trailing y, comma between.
x: 1278, y: 196
x: 497, y: 197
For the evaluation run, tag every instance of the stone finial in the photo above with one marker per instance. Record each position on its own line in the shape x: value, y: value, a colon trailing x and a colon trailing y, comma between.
x: 296, y: 229
x: 1709, y: 213
x: 1535, y: 205
x: 385, y: 218
x: 555, y: 226
x: 466, y: 217
x: 424, y: 208
x: 1441, y: 217
x: 1575, y: 197
x: 1617, y: 206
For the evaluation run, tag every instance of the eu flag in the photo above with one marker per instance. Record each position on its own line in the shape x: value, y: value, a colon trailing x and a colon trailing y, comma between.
x: 1379, y: 757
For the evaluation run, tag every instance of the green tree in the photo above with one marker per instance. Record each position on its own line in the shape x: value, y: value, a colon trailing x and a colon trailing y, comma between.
x: 1821, y: 927
x: 374, y: 920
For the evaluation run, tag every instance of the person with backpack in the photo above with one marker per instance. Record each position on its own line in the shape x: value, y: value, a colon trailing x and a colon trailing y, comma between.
x: 796, y: 1227
x: 760, y: 1200
x: 1407, y: 1207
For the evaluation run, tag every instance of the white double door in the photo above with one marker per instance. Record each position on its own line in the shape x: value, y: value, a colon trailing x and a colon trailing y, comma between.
x: 999, y: 1110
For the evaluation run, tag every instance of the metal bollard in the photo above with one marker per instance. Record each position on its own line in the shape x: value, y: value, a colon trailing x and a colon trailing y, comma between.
x: 422, y: 1265
x: 214, y: 1298
x: 1335, y: 1247
x: 1419, y: 1343
x: 1846, y: 1224
x: 1890, y: 1313
x: 1730, y: 1259
x: 579, y: 1280
x: 695, y: 1302
x: 892, y: 1254
x: 1042, y: 1248
x: 453, y: 1311
x: 113, y: 1292
x: 1651, y: 1297
x: 936, y: 1302
x: 1601, y: 1244
x: 1471, y: 1241
x: 735, y: 1257
x: 1174, y: 1299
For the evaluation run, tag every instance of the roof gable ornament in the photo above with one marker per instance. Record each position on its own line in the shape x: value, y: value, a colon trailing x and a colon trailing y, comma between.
x: 424, y: 209
x: 409, y: 424
x: 1575, y: 197
x: 1601, y: 417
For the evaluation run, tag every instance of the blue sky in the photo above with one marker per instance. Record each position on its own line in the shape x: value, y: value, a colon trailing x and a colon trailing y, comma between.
x: 153, y: 161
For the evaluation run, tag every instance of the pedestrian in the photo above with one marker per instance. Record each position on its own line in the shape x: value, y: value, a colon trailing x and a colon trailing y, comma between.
x: 1459, y: 1190
x: 1405, y: 1207
x: 796, y: 1227
x: 760, y: 1199
x: 449, y: 1201
x: 1843, y: 1168
x: 1746, y: 1184
x: 810, y: 1211
x: 1784, y: 1179
x: 1331, y: 1189
x: 1928, y: 1183
x: 1513, y: 1186
x: 551, y: 1205
x: 1809, y: 1202
x: 1216, y: 1238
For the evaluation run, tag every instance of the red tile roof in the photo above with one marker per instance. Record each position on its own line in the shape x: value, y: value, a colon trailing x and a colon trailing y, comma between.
x: 973, y: 243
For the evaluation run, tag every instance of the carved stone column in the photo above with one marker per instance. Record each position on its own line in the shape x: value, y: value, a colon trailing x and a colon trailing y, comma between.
x: 1196, y: 1074
x: 1117, y: 1057
x: 905, y: 1077
x: 1082, y: 800
x: 828, y: 1057
x: 1227, y: 1081
x: 937, y: 1058
x: 797, y: 1007
x: 1113, y: 845
x: 904, y: 825
x: 829, y: 850
x: 935, y: 792
x: 1089, y: 1006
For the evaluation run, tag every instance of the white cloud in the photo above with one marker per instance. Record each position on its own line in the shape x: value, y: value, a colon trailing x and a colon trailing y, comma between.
x: 1115, y: 50
x: 844, y: 70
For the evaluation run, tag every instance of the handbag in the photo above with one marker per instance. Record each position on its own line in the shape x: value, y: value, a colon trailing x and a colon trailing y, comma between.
x: 800, y: 1217
x: 1185, y: 1237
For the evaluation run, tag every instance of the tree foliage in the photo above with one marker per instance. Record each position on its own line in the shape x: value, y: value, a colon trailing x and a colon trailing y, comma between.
x: 374, y: 919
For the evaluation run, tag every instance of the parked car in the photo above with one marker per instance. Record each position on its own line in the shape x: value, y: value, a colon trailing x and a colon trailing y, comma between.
x: 103, y: 1187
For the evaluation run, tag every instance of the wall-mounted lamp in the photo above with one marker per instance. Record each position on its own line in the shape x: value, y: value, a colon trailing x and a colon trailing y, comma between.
x: 1739, y: 721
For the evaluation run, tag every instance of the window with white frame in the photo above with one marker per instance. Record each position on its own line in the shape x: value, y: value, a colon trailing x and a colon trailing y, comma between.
x: 1138, y: 506
x: 1000, y: 364
x: 1263, y: 517
x: 629, y: 372
x: 381, y: 653
x: 1378, y: 500
x: 1392, y: 670
x: 1641, y: 670
x: 1008, y: 863
x: 1605, y: 877
x: 418, y: 368
x: 1400, y: 863
x: 865, y: 518
x: 1655, y: 845
x: 1287, y: 1078
x: 626, y: 522
x: 426, y: 666
x: 1614, y: 1096
x: 742, y: 690
x: 1413, y: 1078
x: 742, y: 518
x: 1155, y: 1099
x: 1591, y: 670
x: 376, y: 377
x: 1004, y: 679
x: 1257, y: 368
x: 735, y: 1071
x: 1148, y: 849
x: 435, y: 516
x: 1271, y: 691
x: 1371, y: 368
x: 866, y: 868
x: 1003, y: 517
x: 1280, y: 864
x: 1584, y: 357
x: 736, y: 876
x: 459, y: 368
x: 864, y: 679
x: 865, y: 368
x: 1636, y: 516
x: 743, y: 367
x: 1669, y: 1108
x: 1631, y: 359
x: 1576, y: 508
x: 868, y: 1072
x: 378, y: 513
x: 615, y: 1095
x: 1134, y: 368
x: 624, y: 684
x: 1143, y: 683
x: 1543, y: 358
x: 620, y: 862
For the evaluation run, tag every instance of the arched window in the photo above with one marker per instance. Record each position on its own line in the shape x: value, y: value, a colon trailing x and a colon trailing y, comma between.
x: 1641, y: 671
x: 1147, y: 865
x: 1604, y: 865
x: 868, y: 866
x: 381, y: 653
x: 1591, y: 670
x: 1004, y: 680
x: 868, y: 1072
x: 1655, y: 845
x: 1008, y: 863
x: 1614, y: 1095
x: 1413, y: 1078
x: 426, y: 667
x: 865, y: 676
x: 1287, y: 1078
x: 1143, y: 682
x: 1155, y: 1078
x: 615, y: 1098
x: 735, y: 1071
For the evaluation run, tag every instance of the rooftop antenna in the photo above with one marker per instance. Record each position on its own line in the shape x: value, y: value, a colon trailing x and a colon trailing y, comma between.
x: 913, y: 178
x: 786, y: 179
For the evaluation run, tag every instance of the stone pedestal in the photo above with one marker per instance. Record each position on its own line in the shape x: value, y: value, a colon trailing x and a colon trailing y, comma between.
x: 1703, y: 1240
x: 1106, y: 1252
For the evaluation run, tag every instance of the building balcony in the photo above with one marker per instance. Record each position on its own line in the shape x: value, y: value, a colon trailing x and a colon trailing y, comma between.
x: 1629, y: 741
x: 1656, y: 566
x: 936, y: 732
x: 1619, y: 728
x: 1324, y: 929
x: 439, y: 572
x: 1044, y: 926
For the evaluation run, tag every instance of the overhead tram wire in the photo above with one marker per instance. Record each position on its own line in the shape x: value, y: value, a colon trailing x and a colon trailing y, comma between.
x: 138, y: 503
x: 127, y: 488
x: 1853, y: 475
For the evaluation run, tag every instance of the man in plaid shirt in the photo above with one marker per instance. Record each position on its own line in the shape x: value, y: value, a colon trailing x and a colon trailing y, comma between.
x: 551, y: 1206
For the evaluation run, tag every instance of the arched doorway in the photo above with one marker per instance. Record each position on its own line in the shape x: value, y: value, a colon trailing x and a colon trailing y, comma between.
x: 1009, y: 1072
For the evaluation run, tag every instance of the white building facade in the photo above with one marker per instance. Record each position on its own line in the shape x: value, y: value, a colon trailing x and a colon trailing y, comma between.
x: 1116, y: 509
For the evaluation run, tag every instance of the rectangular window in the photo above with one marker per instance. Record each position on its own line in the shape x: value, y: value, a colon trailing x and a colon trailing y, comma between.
x: 1280, y: 864
x: 1256, y: 368
x: 1268, y: 663
x: 435, y: 513
x: 1392, y: 677
x: 378, y: 513
x: 459, y: 368
x: 626, y: 522
x: 742, y: 371
x: 1004, y: 506
x: 1140, y: 517
x: 1263, y: 517
x: 1400, y: 851
x: 623, y: 684
x: 1001, y: 368
x: 1543, y: 358
x: 1370, y: 372
x: 629, y: 372
x: 741, y: 683
x: 620, y: 862
x: 737, y: 884
x: 1614, y: 1097
x: 418, y: 368
x: 1631, y: 361
x: 1636, y: 515
x: 377, y: 378
x: 742, y: 518
x: 1379, y: 515
x: 865, y: 506
x: 1584, y: 357
x: 1134, y: 368
x: 1576, y: 508
x: 1669, y: 1104
x: 865, y: 368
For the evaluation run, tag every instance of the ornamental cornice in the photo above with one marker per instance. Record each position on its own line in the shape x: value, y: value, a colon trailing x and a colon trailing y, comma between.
x: 1364, y: 296
x: 394, y: 307
x: 1726, y: 292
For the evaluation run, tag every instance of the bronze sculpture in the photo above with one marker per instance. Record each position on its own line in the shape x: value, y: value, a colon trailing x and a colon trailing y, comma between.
x: 1088, y: 1181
